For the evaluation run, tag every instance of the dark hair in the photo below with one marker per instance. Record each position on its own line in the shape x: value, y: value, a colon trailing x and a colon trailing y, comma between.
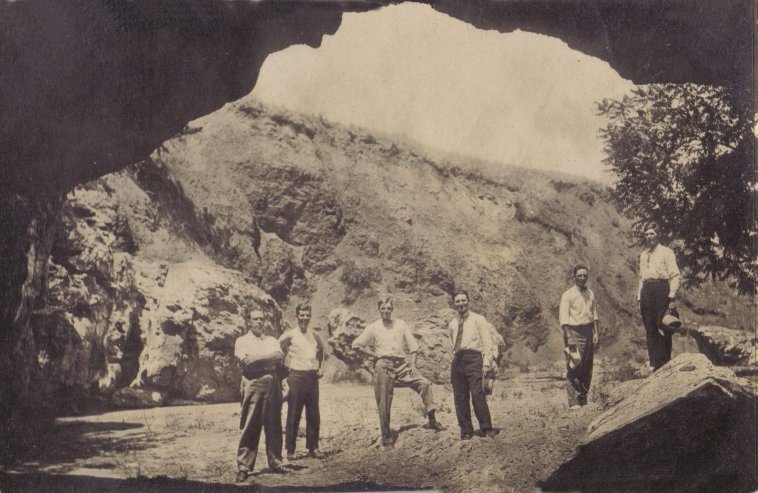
x: 302, y: 307
x: 580, y: 267
x: 384, y: 300
x: 462, y: 291
x: 652, y: 226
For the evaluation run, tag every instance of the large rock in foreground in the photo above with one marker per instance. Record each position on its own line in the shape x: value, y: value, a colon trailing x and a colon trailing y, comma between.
x: 688, y: 427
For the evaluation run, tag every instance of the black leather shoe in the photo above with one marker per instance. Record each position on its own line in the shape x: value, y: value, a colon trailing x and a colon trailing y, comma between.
x: 466, y: 436
x: 489, y: 434
x: 241, y: 476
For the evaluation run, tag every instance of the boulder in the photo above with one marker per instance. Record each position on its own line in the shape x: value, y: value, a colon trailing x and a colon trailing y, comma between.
x: 690, y: 426
x: 190, y: 324
x: 724, y: 346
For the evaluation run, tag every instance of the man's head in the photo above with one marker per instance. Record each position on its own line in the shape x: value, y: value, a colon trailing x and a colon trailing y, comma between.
x: 385, y: 308
x: 303, y: 314
x: 256, y: 320
x: 651, y: 235
x: 581, y: 273
x: 460, y: 301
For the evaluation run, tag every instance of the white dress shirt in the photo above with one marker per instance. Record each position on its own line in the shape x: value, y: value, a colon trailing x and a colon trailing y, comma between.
x: 577, y: 307
x: 660, y: 263
x: 478, y: 335
x: 387, y: 341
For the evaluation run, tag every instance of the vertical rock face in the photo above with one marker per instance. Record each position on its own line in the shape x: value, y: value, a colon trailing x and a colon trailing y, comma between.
x: 135, y: 313
x: 29, y: 225
x: 690, y: 426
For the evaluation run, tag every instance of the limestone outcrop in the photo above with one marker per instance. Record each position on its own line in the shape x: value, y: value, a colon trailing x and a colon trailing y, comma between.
x: 724, y: 346
x: 690, y: 426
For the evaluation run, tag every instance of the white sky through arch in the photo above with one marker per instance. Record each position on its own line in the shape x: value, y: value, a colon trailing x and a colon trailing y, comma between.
x: 517, y: 98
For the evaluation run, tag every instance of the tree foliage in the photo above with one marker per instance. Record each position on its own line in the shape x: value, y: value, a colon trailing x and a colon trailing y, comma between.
x: 683, y: 158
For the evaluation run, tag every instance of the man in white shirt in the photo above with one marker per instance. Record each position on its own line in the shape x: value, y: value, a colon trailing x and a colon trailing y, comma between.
x: 259, y: 356
x: 659, y: 282
x: 305, y: 356
x: 387, y: 340
x: 474, y: 353
x: 578, y: 319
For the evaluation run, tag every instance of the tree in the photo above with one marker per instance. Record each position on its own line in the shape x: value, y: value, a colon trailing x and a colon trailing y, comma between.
x: 683, y: 157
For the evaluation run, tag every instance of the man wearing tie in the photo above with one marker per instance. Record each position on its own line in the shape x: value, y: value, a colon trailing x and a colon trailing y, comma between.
x: 659, y: 282
x: 474, y: 352
x: 578, y: 319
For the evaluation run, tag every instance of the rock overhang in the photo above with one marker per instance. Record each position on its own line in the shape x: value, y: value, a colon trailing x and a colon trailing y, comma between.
x: 89, y: 87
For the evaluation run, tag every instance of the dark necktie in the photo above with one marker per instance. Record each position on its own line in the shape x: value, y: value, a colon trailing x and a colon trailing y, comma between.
x: 459, y: 336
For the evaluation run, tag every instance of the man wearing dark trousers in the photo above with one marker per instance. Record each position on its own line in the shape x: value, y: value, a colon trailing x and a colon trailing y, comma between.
x: 474, y: 352
x: 659, y: 282
x: 305, y: 356
x: 260, y: 357
x: 386, y: 340
x: 578, y: 319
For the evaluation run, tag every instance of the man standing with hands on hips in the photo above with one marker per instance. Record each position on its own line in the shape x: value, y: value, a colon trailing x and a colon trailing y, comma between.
x: 659, y: 282
x: 305, y: 353
x: 473, y: 354
x: 578, y: 319
x: 387, y: 340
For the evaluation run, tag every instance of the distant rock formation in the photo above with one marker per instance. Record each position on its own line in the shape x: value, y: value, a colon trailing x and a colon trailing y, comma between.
x: 725, y: 346
x: 690, y: 426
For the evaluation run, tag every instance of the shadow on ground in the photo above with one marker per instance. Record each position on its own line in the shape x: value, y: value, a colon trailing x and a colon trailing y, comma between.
x: 57, y: 483
x: 78, y: 440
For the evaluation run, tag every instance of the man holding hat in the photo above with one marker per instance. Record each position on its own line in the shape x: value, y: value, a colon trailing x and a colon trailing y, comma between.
x: 578, y: 319
x: 659, y: 282
x: 474, y: 354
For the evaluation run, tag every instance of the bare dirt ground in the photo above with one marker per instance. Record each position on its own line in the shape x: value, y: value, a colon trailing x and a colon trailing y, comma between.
x: 192, y: 448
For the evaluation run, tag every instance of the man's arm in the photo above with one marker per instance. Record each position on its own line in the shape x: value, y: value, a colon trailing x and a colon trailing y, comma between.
x: 594, y: 320
x: 411, y: 345
x: 563, y: 318
x: 489, y: 349
x: 364, y: 343
x: 674, y: 279
x: 263, y: 360
x: 284, y: 341
x: 320, y: 355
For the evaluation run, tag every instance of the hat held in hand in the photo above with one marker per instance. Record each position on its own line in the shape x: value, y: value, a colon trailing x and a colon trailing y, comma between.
x: 669, y: 323
x: 573, y: 357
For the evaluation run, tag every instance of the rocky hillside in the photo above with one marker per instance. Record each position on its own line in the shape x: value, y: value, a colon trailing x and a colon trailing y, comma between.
x: 156, y: 265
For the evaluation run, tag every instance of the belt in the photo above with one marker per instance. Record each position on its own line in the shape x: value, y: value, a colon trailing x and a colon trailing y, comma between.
x: 303, y: 372
x: 654, y: 281
x: 465, y: 352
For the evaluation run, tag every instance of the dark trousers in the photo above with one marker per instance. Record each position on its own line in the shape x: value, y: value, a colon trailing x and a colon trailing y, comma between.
x: 466, y: 377
x: 261, y: 409
x: 654, y: 300
x: 388, y: 375
x: 303, y: 393
x: 580, y: 377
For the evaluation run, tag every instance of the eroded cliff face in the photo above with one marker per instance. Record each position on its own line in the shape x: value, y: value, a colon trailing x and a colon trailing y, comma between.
x: 95, y: 86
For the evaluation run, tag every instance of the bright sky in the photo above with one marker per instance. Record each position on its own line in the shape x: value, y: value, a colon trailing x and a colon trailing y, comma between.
x: 517, y: 98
